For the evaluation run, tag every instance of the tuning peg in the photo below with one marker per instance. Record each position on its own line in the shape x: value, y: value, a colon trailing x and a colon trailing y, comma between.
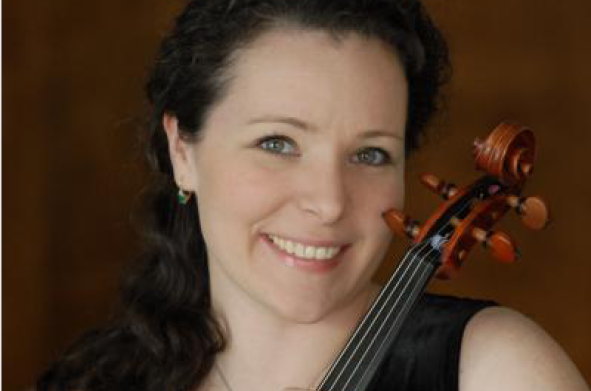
x: 501, y: 244
x: 401, y: 224
x: 446, y: 190
x: 533, y: 210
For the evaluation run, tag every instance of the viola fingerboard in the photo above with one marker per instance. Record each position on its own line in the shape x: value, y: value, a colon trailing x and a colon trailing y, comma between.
x: 356, y: 365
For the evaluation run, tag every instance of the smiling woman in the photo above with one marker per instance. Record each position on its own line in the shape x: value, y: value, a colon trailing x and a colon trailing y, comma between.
x: 270, y: 164
x: 280, y: 130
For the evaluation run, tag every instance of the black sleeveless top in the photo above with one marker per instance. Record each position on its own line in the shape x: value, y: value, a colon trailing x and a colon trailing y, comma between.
x: 426, y: 355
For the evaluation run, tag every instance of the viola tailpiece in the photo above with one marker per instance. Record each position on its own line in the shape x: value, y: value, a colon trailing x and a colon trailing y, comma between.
x: 442, y: 244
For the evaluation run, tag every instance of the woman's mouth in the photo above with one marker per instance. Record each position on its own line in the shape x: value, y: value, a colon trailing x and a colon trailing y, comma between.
x: 309, y: 258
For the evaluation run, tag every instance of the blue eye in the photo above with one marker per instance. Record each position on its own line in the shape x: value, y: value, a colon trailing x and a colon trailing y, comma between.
x: 372, y: 157
x: 277, y: 144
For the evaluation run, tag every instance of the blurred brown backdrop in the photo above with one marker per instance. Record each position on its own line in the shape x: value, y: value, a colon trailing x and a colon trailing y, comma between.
x: 73, y: 73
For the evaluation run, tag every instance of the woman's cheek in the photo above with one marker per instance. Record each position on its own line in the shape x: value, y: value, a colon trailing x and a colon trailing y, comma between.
x: 255, y: 188
x: 385, y: 195
x: 381, y: 193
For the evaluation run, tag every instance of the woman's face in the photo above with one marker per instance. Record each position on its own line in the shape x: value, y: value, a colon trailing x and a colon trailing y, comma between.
x: 306, y: 150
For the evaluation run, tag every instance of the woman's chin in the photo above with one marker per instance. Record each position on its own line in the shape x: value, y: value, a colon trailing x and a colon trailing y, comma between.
x: 311, y: 309
x: 295, y: 312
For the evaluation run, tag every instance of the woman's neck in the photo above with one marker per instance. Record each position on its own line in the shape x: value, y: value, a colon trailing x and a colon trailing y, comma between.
x: 268, y: 352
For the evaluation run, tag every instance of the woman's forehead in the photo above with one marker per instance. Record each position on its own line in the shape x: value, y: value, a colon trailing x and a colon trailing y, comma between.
x: 306, y: 73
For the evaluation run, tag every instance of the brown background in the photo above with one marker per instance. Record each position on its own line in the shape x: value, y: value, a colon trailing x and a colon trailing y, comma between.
x: 73, y: 73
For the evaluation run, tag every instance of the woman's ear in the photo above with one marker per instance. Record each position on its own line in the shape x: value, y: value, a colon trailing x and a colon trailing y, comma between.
x: 181, y: 155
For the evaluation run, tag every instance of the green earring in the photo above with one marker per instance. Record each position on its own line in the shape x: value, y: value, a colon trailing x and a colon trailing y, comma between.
x: 183, y: 197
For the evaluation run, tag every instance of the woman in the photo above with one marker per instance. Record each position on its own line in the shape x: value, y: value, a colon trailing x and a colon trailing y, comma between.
x: 280, y: 130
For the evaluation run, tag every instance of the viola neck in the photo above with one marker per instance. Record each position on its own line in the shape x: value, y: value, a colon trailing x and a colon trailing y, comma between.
x: 358, y: 362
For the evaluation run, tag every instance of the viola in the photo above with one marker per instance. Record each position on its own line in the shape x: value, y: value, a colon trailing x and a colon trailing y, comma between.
x: 441, y: 245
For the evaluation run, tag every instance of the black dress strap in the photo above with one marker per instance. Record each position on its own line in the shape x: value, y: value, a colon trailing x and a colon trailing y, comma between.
x: 426, y: 355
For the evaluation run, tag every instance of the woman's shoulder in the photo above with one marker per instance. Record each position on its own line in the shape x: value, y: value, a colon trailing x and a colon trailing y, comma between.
x: 503, y: 349
x: 426, y: 353
x: 443, y: 314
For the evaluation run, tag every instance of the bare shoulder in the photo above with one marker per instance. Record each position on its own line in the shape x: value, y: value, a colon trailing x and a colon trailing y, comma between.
x: 504, y: 350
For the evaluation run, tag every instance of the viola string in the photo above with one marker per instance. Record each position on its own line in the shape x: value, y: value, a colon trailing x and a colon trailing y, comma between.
x: 364, y: 373
x: 381, y: 326
x: 365, y: 320
x: 406, y: 266
x: 408, y: 282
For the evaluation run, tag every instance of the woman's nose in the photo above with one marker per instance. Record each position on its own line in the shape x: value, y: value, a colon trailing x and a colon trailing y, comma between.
x: 323, y: 193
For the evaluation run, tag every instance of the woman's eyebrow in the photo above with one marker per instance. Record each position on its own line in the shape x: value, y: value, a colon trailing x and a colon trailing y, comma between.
x: 298, y: 123
x: 380, y: 133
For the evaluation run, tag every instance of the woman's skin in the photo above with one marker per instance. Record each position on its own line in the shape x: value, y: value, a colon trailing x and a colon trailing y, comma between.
x: 308, y: 145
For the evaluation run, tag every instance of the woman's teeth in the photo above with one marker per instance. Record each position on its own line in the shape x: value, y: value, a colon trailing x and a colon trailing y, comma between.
x: 302, y: 251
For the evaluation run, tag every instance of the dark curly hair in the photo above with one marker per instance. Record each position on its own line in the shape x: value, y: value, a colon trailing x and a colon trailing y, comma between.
x: 166, y: 337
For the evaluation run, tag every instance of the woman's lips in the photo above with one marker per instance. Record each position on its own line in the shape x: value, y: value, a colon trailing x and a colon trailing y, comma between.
x: 307, y: 265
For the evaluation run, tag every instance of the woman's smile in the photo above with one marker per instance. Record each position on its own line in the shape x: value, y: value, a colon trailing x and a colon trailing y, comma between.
x: 308, y: 258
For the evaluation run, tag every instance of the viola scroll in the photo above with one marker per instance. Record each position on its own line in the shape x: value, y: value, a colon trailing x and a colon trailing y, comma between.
x: 469, y: 213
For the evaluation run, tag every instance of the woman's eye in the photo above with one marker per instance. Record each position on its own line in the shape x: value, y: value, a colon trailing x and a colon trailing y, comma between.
x: 277, y: 144
x: 372, y: 157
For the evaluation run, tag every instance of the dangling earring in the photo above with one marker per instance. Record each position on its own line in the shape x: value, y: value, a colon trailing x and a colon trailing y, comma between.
x: 183, y: 197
